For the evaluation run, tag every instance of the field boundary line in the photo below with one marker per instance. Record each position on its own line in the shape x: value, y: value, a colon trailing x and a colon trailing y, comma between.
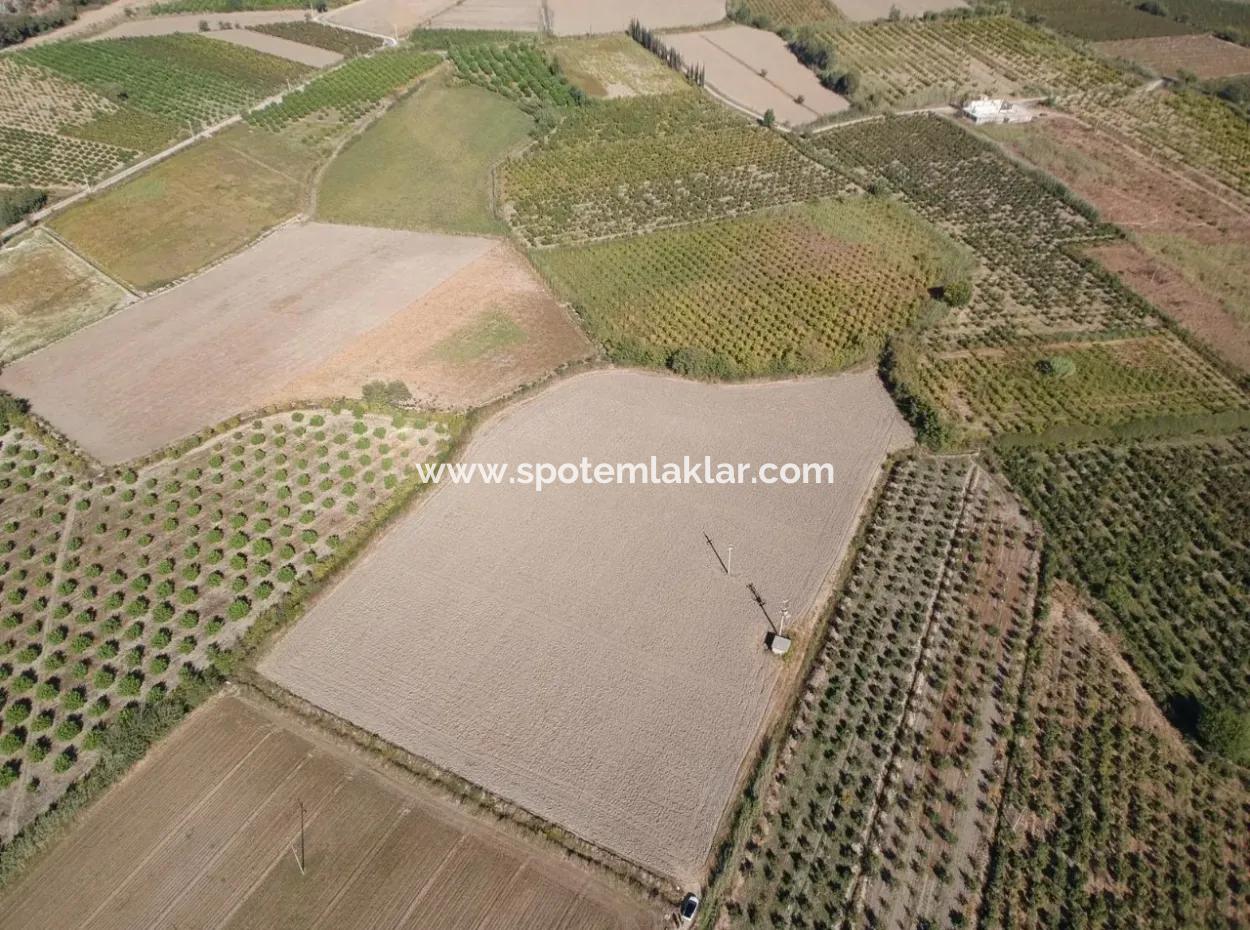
x: 73, y: 250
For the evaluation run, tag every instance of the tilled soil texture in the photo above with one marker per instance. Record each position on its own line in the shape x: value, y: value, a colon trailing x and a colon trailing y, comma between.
x: 275, y: 45
x: 584, y: 17
x: 489, y: 328
x: 206, y: 833
x: 583, y: 651
x: 229, y: 340
x: 756, y: 70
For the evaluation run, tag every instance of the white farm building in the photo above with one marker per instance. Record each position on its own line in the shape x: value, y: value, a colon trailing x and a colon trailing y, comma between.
x: 986, y: 110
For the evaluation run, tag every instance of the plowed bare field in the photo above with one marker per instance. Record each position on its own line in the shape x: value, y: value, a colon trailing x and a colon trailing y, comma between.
x: 756, y: 70
x: 583, y: 17
x: 310, y: 312
x: 582, y: 651
x: 205, y: 832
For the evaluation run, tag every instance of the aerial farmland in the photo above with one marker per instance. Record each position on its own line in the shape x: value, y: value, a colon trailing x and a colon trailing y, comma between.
x: 587, y: 465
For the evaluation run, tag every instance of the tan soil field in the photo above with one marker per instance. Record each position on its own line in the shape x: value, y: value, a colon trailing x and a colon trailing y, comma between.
x: 229, y: 340
x: 387, y: 17
x: 754, y: 69
x: 861, y: 11
x: 518, y: 15
x: 1204, y: 56
x: 47, y: 291
x: 615, y: 66
x: 587, y: 17
x: 489, y: 328
x: 190, y: 22
x: 203, y: 834
x: 275, y: 45
x: 581, y: 651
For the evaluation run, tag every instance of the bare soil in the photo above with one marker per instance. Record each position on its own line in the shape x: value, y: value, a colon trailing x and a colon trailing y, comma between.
x: 388, y: 17
x: 582, y: 652
x: 275, y: 45
x: 1202, y: 55
x: 755, y: 69
x: 445, y: 346
x: 517, y: 15
x: 205, y: 832
x: 232, y: 338
x: 586, y: 17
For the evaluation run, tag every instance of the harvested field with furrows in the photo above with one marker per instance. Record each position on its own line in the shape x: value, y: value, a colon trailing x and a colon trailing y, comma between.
x: 230, y: 339
x: 190, y: 22
x: 47, y: 291
x: 586, y: 17
x: 387, y: 17
x: 756, y: 70
x: 583, y: 651
x: 205, y: 832
x: 515, y: 15
x: 275, y: 45
x: 1202, y: 56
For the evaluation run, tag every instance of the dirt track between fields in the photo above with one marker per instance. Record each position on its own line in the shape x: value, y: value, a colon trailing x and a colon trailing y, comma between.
x: 581, y: 651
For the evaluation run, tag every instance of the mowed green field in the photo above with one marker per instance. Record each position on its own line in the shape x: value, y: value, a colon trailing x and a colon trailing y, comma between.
x: 196, y: 207
x: 426, y: 163
x: 800, y: 289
